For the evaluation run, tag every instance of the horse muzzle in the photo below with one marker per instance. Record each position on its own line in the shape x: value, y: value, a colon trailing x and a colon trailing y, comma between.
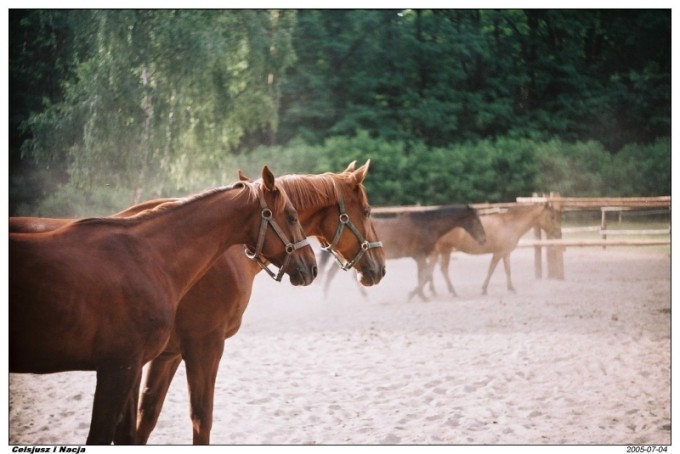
x: 371, y: 275
x: 302, y: 271
x: 302, y: 276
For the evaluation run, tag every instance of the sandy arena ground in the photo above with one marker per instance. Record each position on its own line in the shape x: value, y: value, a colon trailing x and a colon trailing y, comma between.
x: 580, y: 361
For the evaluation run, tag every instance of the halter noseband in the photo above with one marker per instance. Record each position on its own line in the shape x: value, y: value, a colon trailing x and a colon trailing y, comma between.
x: 346, y: 222
x: 268, y: 219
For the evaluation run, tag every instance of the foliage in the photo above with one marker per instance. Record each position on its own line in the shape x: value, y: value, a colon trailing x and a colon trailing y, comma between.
x: 163, y: 87
x: 411, y: 174
x: 451, y: 76
x: 485, y: 171
x: 70, y: 202
x: 450, y: 105
x: 642, y: 170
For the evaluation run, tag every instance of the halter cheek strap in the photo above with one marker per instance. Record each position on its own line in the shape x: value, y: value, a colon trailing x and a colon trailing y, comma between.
x: 268, y: 220
x: 346, y: 222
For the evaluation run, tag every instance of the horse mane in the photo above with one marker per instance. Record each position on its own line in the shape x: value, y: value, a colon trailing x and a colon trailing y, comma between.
x: 156, y: 211
x: 308, y: 191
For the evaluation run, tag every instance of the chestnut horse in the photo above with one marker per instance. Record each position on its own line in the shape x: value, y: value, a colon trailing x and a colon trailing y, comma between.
x: 503, y: 231
x: 414, y: 234
x: 102, y: 294
x: 328, y: 205
x: 332, y: 207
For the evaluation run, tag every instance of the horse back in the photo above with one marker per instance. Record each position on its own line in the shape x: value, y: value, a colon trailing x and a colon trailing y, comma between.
x: 35, y: 225
x: 502, y: 237
x: 416, y: 234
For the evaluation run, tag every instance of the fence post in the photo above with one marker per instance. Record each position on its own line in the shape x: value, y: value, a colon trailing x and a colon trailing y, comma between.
x: 538, y: 254
x: 554, y: 254
x: 603, y: 225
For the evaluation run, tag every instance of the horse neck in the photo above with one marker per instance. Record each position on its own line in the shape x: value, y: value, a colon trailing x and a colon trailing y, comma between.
x: 458, y: 217
x: 190, y: 235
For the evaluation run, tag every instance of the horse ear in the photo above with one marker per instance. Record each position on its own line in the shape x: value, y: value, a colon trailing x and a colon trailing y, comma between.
x: 268, y: 179
x: 360, y: 173
x: 242, y: 176
x: 350, y: 167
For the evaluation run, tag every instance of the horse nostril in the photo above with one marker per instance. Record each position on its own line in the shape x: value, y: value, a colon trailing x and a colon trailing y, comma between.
x: 315, y: 271
x: 383, y: 271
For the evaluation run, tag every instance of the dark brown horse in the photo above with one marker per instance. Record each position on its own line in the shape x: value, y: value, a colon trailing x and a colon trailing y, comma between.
x: 503, y: 231
x: 414, y: 234
x: 332, y: 207
x: 102, y: 294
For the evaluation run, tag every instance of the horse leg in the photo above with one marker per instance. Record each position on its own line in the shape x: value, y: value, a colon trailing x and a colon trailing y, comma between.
x: 506, y: 265
x: 492, y: 267
x: 445, y: 261
x: 329, y: 278
x: 431, y: 263
x: 202, y: 360
x: 422, y: 279
x: 154, y: 389
x: 127, y: 427
x: 115, y: 385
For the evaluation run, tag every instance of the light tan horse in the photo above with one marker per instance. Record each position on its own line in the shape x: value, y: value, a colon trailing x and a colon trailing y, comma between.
x: 102, y: 294
x: 503, y: 231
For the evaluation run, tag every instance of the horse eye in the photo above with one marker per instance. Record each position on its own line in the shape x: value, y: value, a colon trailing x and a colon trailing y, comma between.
x: 292, y: 219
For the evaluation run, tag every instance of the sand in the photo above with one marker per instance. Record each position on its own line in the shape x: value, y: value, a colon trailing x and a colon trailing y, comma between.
x: 581, y: 361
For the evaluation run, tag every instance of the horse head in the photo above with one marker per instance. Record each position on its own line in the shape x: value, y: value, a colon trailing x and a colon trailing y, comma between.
x: 473, y: 225
x: 347, y: 229
x: 280, y: 239
x: 550, y: 221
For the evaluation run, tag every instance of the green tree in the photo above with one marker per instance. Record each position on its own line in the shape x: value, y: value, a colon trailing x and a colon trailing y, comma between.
x: 164, y: 94
x: 42, y: 52
x: 450, y: 105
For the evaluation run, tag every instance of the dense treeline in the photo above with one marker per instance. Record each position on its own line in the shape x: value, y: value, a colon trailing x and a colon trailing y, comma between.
x: 110, y: 107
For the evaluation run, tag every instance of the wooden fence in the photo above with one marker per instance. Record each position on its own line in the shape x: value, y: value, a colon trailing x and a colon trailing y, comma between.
x: 555, y: 246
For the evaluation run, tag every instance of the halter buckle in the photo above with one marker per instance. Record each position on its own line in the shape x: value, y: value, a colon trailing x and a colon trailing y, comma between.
x: 250, y: 254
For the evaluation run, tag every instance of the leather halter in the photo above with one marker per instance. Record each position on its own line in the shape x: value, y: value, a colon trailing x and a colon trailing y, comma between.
x: 346, y: 222
x: 268, y: 220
